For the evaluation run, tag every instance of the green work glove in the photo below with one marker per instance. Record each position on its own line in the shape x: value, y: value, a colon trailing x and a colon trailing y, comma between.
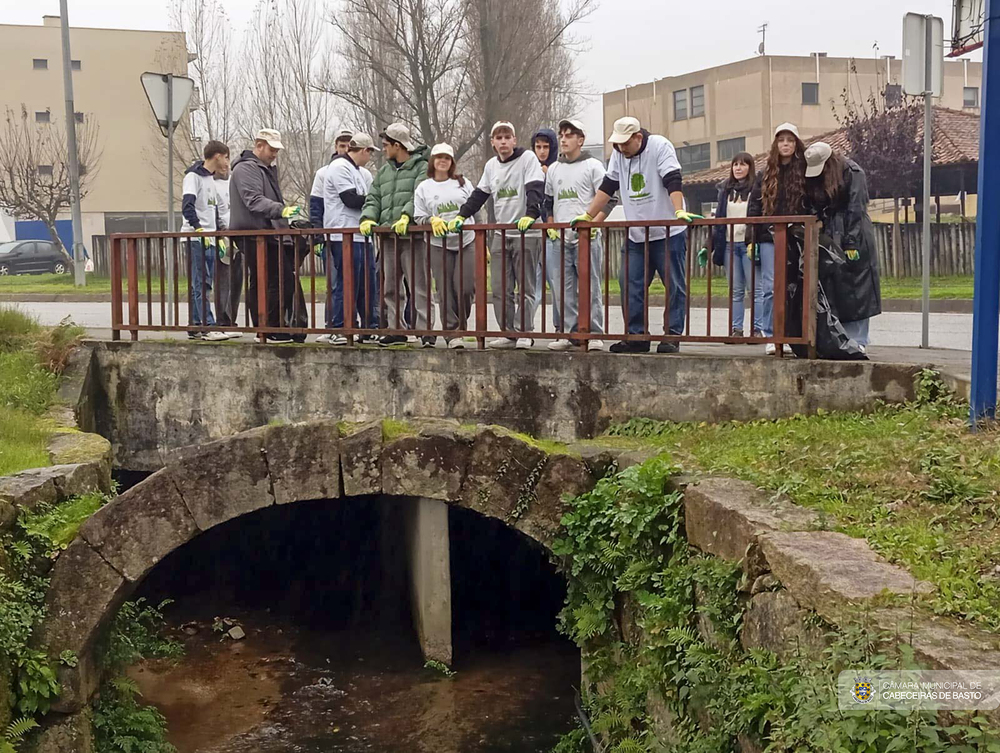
x: 852, y: 254
x: 525, y: 223
x: 703, y: 257
x: 366, y: 227
x: 400, y: 226
x: 585, y: 217
x: 455, y: 226
x: 223, y: 248
x: 318, y: 249
x: 439, y: 226
x: 288, y: 212
x: 553, y: 234
x: 687, y: 216
x: 752, y: 251
x: 594, y: 232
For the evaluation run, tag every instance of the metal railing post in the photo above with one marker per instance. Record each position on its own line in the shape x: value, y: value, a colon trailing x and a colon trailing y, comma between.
x: 780, y: 286
x: 133, y: 289
x: 347, y: 278
x: 116, y: 288
x: 583, y: 289
x: 481, y: 316
x: 262, y: 288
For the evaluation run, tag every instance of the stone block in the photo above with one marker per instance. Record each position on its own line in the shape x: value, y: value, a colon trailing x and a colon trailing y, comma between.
x: 82, y: 447
x: 829, y: 572
x: 141, y: 527
x: 723, y: 516
x: 775, y: 621
x: 431, y: 465
x: 8, y: 515
x: 600, y: 460
x: 223, y: 480
x: 563, y: 478
x: 304, y: 461
x: 361, y: 461
x: 84, y: 593
x: 29, y: 489
x: 65, y: 734
x: 79, y: 478
x: 502, y: 475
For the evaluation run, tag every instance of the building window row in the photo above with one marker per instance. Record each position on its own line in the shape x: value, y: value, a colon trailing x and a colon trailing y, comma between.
x: 682, y: 111
x: 810, y: 93
x: 729, y: 148
x: 695, y: 157
x: 42, y: 64
x: 970, y: 96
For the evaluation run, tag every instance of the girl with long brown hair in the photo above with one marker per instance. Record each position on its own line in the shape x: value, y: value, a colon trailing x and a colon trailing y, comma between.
x: 778, y: 191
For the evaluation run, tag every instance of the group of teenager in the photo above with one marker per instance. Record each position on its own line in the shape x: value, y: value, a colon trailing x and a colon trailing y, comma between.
x: 556, y: 181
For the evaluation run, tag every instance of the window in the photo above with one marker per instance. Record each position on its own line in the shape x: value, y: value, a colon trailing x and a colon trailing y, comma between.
x: 695, y: 157
x: 893, y: 95
x: 75, y: 65
x: 681, y: 105
x: 79, y: 117
x: 45, y: 171
x: 42, y: 116
x: 40, y: 64
x: 697, y: 101
x: 729, y: 148
x: 810, y: 94
x: 970, y: 96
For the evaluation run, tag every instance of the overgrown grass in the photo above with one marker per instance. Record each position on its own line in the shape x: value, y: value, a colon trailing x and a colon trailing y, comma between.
x: 911, y: 479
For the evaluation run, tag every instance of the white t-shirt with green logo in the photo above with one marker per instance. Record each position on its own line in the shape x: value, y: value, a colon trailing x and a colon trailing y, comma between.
x: 442, y: 199
x: 506, y: 181
x: 572, y: 186
x: 640, y: 181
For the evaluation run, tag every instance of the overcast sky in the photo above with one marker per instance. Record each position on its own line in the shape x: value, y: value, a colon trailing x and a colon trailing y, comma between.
x: 629, y: 41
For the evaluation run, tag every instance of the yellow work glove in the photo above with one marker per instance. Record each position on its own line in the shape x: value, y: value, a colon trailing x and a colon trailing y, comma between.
x: 852, y: 254
x: 553, y: 234
x: 288, y: 212
x: 687, y: 216
x: 223, y: 248
x: 525, y: 223
x: 439, y: 226
x: 752, y: 251
x: 455, y: 226
x: 594, y: 232
x: 400, y: 226
x: 585, y: 217
x: 366, y: 227
x: 318, y: 249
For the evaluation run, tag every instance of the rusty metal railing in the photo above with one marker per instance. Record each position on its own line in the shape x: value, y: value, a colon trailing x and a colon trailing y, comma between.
x: 411, y: 268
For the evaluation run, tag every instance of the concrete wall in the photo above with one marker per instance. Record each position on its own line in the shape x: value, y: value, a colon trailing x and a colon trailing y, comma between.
x: 151, y: 397
x: 429, y: 567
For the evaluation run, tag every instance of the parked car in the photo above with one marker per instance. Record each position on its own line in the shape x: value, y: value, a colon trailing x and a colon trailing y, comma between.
x: 33, y: 257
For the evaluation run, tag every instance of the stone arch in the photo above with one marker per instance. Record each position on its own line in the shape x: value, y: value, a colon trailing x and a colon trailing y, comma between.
x: 485, y: 469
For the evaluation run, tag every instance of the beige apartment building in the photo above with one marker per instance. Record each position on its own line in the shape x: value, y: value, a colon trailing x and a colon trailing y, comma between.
x: 127, y: 193
x: 712, y: 114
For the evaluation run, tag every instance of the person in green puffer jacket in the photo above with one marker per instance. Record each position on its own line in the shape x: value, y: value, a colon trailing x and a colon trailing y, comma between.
x: 390, y: 204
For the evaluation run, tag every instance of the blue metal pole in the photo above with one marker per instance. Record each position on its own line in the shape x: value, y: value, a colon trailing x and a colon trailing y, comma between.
x: 986, y: 303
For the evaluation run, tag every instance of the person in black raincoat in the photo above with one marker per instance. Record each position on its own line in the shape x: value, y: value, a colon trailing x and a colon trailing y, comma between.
x: 837, y: 193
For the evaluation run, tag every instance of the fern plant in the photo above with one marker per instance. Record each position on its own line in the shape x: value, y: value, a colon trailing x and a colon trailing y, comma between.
x: 15, y: 733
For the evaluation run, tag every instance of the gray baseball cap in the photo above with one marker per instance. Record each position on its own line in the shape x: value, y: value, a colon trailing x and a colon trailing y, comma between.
x: 816, y: 156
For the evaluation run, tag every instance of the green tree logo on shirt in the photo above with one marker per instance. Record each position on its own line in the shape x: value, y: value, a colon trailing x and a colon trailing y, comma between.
x: 450, y: 206
x: 638, y: 186
x: 507, y: 193
x: 568, y: 193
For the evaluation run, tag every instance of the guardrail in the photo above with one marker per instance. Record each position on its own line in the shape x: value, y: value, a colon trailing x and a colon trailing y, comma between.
x: 406, y: 267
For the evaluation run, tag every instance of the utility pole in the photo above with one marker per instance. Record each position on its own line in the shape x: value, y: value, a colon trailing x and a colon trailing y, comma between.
x: 79, y: 272
x: 928, y: 149
x: 762, y: 30
x: 170, y: 196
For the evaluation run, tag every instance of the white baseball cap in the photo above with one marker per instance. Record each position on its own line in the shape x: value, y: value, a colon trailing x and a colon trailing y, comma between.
x: 790, y: 127
x: 502, y: 124
x: 399, y: 133
x: 574, y: 124
x: 363, y: 141
x: 816, y: 156
x: 625, y: 128
x: 443, y: 149
x: 271, y: 136
x: 344, y: 133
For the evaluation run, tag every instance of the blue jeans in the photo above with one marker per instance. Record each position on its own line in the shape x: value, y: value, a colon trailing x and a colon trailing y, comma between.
x: 765, y: 284
x: 635, y: 289
x: 201, y: 269
x: 364, y: 265
x: 742, y: 270
x: 858, y: 331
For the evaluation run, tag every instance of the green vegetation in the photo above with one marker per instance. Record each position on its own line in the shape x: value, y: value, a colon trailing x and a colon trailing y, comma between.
x: 31, y: 359
x: 393, y: 429
x: 624, y: 553
x: 439, y: 667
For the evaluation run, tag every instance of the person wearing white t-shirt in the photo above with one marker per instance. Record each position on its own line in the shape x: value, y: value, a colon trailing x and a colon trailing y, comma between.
x: 453, y: 259
x: 345, y: 186
x: 645, y: 168
x: 515, y: 180
x: 570, y: 185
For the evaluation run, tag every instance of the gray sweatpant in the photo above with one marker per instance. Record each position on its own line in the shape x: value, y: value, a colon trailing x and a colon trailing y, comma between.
x: 405, y: 260
x: 505, y: 264
x: 455, y: 282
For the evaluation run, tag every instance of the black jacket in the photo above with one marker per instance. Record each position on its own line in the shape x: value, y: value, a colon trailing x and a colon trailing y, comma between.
x: 255, y: 196
x: 784, y: 208
x: 720, y: 235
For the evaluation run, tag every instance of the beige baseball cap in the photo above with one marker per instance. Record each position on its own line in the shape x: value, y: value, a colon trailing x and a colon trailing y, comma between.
x: 443, y: 149
x: 344, y: 133
x: 363, y: 141
x: 574, y: 124
x: 271, y: 136
x: 502, y: 124
x: 816, y: 156
x: 790, y: 127
x: 399, y: 132
x: 625, y: 128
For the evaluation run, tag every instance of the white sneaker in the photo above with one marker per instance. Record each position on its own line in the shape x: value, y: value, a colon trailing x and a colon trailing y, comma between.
x: 787, y: 349
x: 863, y: 349
x: 456, y: 344
x: 338, y: 340
x: 595, y: 345
x: 215, y: 336
x: 324, y: 338
x: 234, y: 335
x: 769, y: 349
x: 503, y: 343
x: 524, y: 343
x: 560, y: 345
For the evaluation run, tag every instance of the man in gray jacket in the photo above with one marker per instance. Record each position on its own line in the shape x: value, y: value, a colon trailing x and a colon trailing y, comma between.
x: 256, y: 204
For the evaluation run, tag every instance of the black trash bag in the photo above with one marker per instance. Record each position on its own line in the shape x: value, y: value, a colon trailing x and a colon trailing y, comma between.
x: 832, y: 341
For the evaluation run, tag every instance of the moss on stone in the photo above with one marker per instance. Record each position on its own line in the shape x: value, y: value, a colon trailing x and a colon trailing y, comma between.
x: 548, y: 446
x: 393, y: 429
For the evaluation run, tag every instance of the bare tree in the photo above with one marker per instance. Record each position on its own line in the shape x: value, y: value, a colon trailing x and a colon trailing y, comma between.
x: 34, y: 167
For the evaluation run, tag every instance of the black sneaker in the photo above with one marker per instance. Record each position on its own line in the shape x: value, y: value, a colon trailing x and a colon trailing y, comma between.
x: 278, y: 337
x: 428, y: 342
x: 298, y: 338
x: 196, y: 336
x: 630, y: 346
x: 668, y: 347
x: 386, y: 340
